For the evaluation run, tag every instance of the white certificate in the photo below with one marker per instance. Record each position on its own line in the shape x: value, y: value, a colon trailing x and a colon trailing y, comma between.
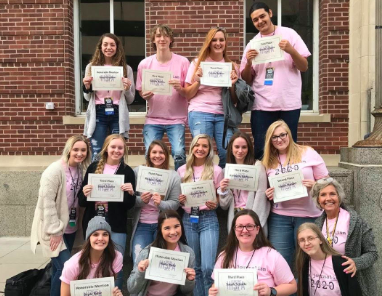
x: 156, y: 81
x: 268, y: 49
x: 288, y: 186
x: 106, y: 187
x: 107, y: 78
x: 167, y: 266
x: 243, y: 177
x: 236, y: 282
x: 216, y: 74
x: 92, y: 287
x: 197, y: 193
x: 153, y: 180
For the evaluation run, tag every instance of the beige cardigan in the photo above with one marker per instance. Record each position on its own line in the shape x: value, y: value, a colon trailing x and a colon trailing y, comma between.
x: 51, y: 215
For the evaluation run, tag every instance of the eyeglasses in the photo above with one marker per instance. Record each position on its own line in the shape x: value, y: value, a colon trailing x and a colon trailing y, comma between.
x: 249, y: 227
x: 325, y: 180
x: 308, y: 239
x: 219, y: 28
x: 282, y: 136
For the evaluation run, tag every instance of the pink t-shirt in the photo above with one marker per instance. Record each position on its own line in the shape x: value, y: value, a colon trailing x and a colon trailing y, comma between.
x: 107, y: 170
x: 313, y: 168
x: 149, y: 213
x: 240, y: 197
x: 166, y: 109
x: 72, y: 267
x: 341, y: 232
x: 198, y: 170
x: 100, y: 95
x: 73, y: 186
x: 160, y: 288
x: 285, y: 93
x: 272, y: 268
x: 208, y: 99
x: 328, y: 285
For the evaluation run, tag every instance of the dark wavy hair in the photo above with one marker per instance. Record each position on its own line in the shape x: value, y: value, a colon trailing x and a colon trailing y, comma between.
x: 165, y: 165
x: 250, y: 157
x: 258, y: 5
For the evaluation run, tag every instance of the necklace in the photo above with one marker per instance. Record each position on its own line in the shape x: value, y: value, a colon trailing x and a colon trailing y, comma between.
x: 274, y: 30
x: 330, y: 237
x: 310, y: 273
x: 249, y: 259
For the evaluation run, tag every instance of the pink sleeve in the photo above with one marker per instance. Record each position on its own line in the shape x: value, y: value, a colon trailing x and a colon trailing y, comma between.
x: 190, y: 72
x: 71, y: 270
x: 185, y: 67
x: 280, y: 269
x: 218, y: 176
x: 300, y: 45
x: 319, y: 168
x: 218, y: 265
x: 244, y: 59
x: 138, y: 84
x: 181, y: 171
x: 118, y: 262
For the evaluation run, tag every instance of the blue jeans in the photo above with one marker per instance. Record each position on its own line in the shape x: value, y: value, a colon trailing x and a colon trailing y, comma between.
x: 175, y: 134
x: 119, y: 240
x: 212, y: 125
x: 58, y: 264
x: 283, y: 234
x: 144, y: 235
x: 203, y: 238
x: 261, y: 120
x: 105, y: 125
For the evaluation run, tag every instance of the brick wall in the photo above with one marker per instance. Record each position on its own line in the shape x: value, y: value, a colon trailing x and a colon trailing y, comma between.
x: 36, y: 66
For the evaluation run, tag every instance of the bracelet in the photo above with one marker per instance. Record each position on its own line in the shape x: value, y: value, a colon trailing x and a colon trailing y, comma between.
x: 221, y: 192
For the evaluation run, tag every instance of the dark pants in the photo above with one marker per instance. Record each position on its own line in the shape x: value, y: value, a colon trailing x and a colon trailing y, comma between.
x: 261, y: 120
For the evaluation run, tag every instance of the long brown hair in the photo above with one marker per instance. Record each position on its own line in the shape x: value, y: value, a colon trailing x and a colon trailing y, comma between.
x: 105, y: 267
x: 165, y: 165
x: 118, y: 59
x: 232, y: 244
x: 103, y: 154
x: 249, y: 158
x: 302, y: 257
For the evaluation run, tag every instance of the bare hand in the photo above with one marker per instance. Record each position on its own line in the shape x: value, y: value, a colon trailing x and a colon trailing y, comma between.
x: 156, y: 198
x: 190, y: 273
x: 55, y: 241
x: 213, y: 291
x: 147, y: 95
x: 211, y: 205
x: 182, y: 199
x: 142, y: 266
x: 146, y: 196
x: 128, y: 187
x: 126, y: 83
x: 250, y: 55
x: 308, y: 183
x: 269, y: 193
x: 117, y: 292
x: 87, y: 81
x: 351, y: 268
x: 234, y: 77
x: 175, y: 84
x: 87, y: 190
x: 224, y: 184
x: 262, y: 289
x: 286, y: 46
x: 198, y: 74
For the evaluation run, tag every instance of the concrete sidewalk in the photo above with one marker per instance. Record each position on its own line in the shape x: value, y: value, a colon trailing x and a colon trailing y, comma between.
x: 16, y: 256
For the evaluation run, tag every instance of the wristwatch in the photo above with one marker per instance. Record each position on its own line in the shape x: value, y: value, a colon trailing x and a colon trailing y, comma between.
x: 273, y: 292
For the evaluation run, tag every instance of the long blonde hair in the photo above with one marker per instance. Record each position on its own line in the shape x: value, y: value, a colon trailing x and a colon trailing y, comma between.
x: 208, y: 171
x: 69, y: 145
x: 271, y: 154
x: 302, y: 257
x: 103, y: 154
x: 204, y: 52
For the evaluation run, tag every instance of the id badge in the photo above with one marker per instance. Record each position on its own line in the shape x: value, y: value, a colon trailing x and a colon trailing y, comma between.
x: 101, y: 211
x: 109, y: 109
x: 269, y: 74
x: 194, y: 216
x: 72, y: 217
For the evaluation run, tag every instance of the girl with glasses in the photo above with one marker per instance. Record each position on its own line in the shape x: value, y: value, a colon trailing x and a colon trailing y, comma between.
x: 248, y: 247
x: 240, y: 151
x: 320, y: 268
x: 283, y: 155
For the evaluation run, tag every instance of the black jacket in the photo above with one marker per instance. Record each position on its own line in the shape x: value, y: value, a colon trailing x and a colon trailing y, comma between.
x: 117, y: 211
x: 348, y: 285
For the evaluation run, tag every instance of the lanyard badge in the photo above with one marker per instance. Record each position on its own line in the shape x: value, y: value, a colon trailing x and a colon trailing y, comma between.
x: 269, y: 74
x: 194, y: 216
x: 72, y: 217
x: 109, y: 109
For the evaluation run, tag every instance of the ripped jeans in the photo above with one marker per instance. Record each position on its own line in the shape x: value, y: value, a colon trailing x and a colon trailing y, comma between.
x: 175, y: 134
x: 105, y: 125
x: 143, y: 236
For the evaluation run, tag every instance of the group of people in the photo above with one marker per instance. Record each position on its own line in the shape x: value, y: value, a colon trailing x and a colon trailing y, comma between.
x: 331, y: 247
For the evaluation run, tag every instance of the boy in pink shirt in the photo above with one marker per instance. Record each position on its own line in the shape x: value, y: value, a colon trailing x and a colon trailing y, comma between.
x: 277, y: 85
x: 166, y: 113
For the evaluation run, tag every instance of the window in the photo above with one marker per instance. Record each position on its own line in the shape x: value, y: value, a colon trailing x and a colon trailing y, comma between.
x: 302, y: 16
x: 92, y: 18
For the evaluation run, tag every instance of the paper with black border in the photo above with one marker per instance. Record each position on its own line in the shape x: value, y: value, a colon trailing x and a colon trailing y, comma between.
x: 216, y: 74
x: 107, y: 78
x: 106, y: 187
x: 241, y: 176
x: 90, y: 287
x: 268, y: 49
x: 156, y: 81
x: 153, y: 180
x: 167, y: 266
x: 235, y: 282
x: 197, y: 193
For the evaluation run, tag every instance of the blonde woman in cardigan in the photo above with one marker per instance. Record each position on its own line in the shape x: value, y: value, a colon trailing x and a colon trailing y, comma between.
x: 55, y: 220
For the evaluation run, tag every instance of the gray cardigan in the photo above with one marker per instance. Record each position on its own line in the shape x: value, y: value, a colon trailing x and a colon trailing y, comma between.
x: 361, y: 248
x: 257, y: 201
x: 170, y: 201
x: 127, y: 97
x: 137, y: 285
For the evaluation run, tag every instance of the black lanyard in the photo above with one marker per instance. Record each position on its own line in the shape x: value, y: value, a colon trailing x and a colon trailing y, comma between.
x: 74, y: 186
x: 310, y: 273
x: 253, y: 253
